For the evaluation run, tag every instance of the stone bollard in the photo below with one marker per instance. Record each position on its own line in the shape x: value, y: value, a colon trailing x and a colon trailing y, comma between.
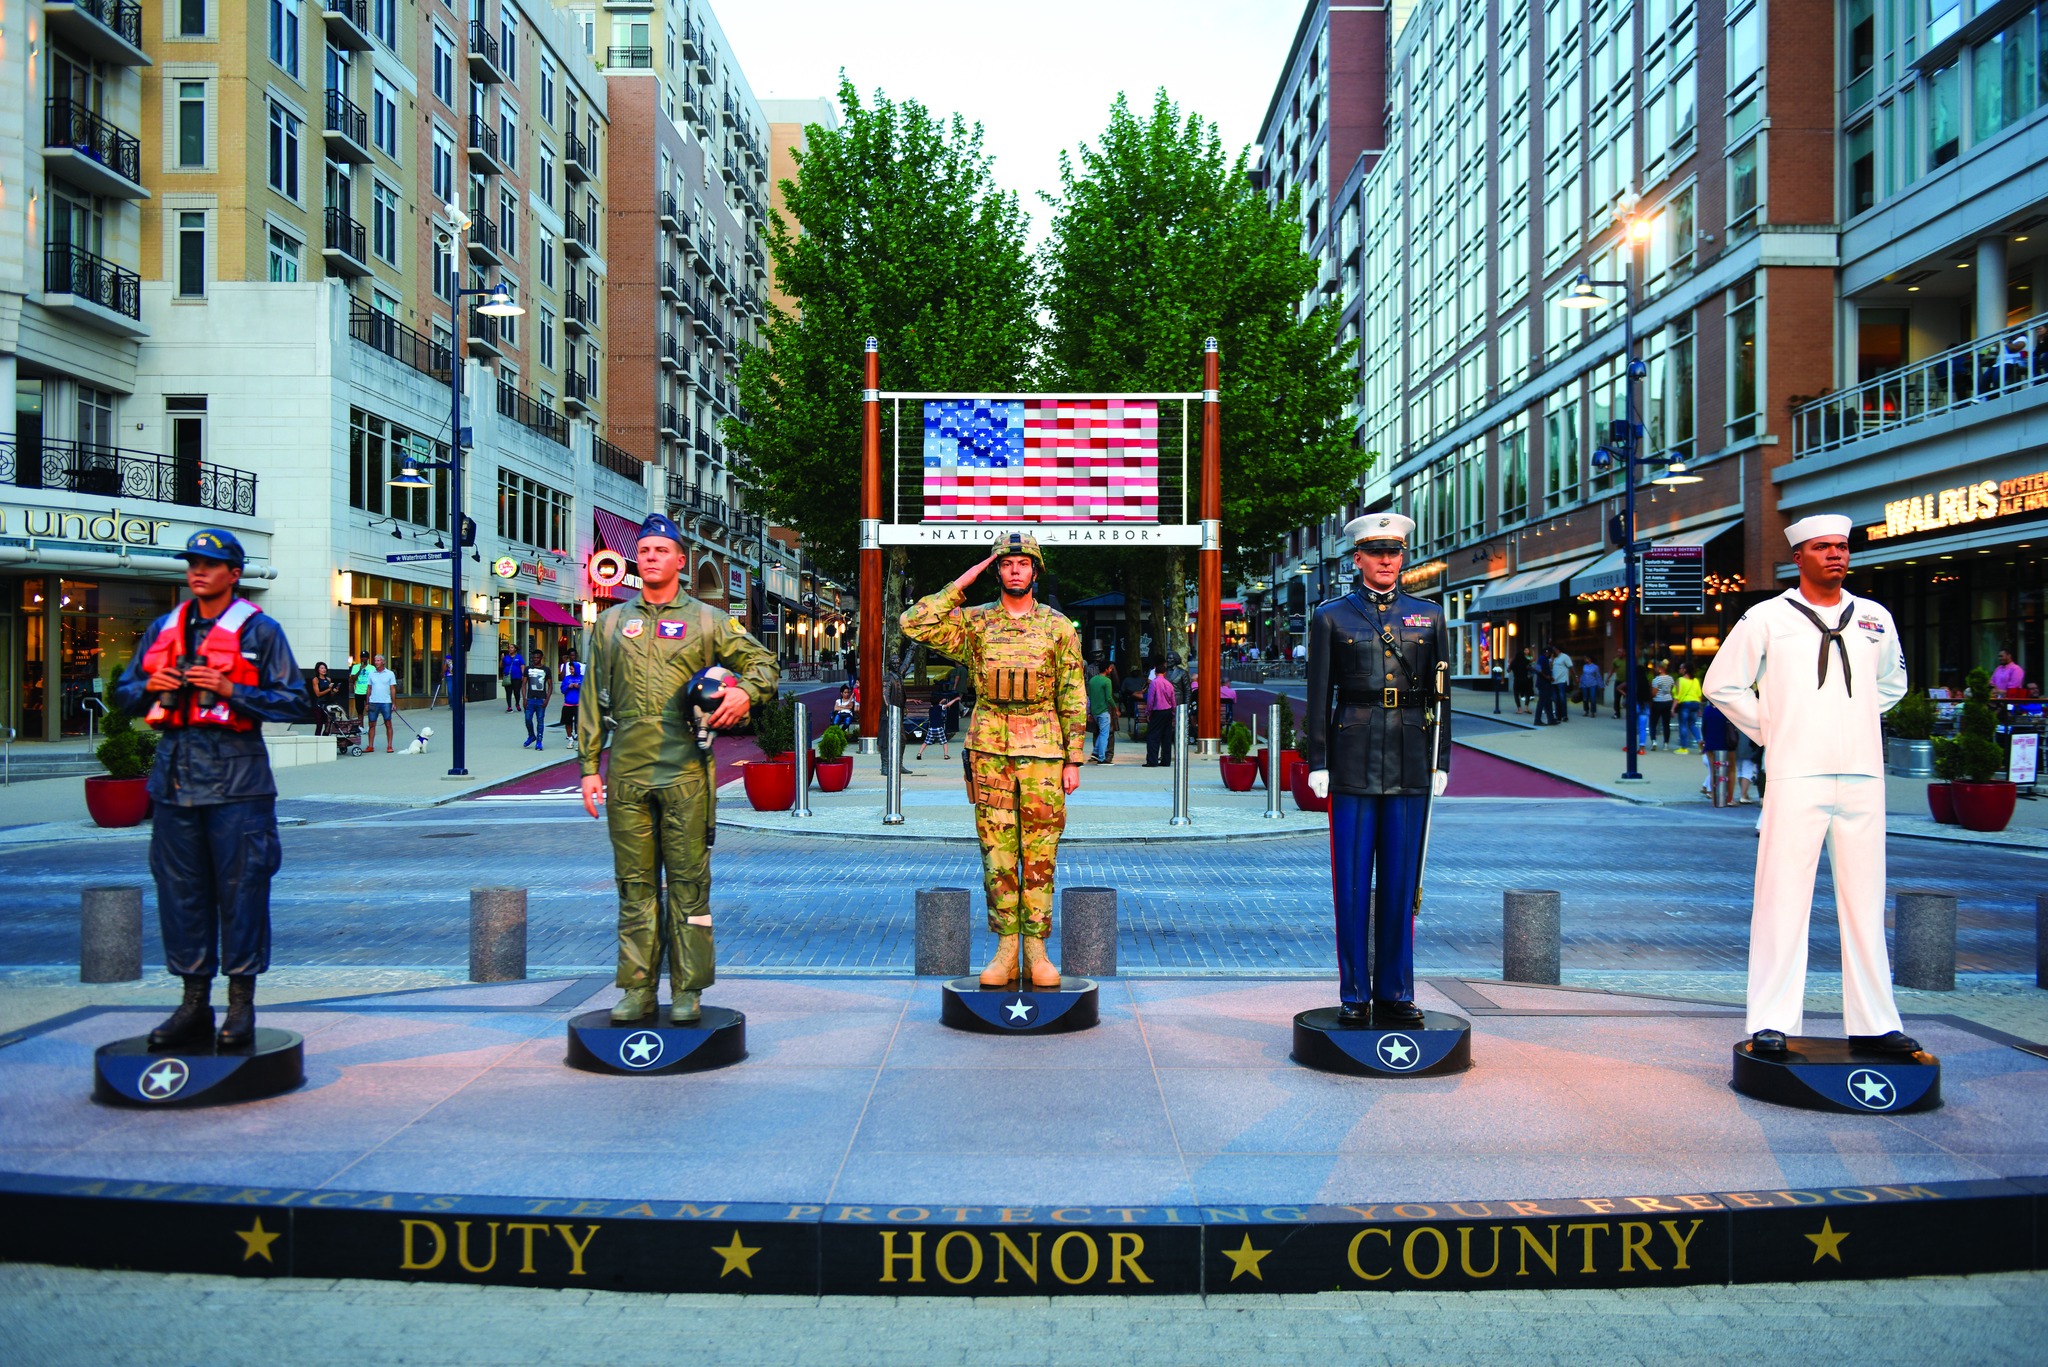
x: 942, y: 932
x: 1530, y: 931
x: 1925, y: 933
x: 1088, y: 932
x: 497, y: 935
x: 2041, y: 939
x: 110, y: 934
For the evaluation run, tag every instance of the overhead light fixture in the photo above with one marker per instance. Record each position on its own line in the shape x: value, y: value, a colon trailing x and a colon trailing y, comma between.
x: 1674, y: 474
x: 498, y: 303
x: 409, y: 477
x: 1582, y: 295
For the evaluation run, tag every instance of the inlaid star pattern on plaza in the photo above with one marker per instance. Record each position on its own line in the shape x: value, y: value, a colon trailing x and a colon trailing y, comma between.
x: 1827, y: 1243
x: 1872, y: 1089
x: 1244, y: 1258
x: 736, y: 1255
x: 166, y: 1078
x: 1020, y: 1010
x: 641, y: 1048
x: 1398, y: 1050
x: 257, y: 1241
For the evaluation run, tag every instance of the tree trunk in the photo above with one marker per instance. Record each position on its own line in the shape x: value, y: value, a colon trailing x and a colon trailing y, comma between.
x: 1134, y: 658
x: 1177, y: 607
x: 893, y: 606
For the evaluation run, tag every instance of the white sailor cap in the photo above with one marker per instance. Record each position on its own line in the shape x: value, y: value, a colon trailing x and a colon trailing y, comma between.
x: 1820, y: 524
x: 1379, y: 532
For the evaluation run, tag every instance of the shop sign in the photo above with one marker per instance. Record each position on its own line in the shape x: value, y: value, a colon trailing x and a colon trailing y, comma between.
x: 607, y: 569
x: 737, y: 584
x: 2025, y: 764
x: 111, y: 528
x: 505, y: 567
x: 1425, y: 577
x: 1966, y: 503
x: 542, y: 574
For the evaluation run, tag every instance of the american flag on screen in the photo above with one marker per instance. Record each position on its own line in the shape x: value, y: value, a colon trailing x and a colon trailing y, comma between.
x: 1043, y: 459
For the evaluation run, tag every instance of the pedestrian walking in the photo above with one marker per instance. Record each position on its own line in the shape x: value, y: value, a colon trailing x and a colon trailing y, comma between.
x: 938, y: 720
x: 1115, y: 678
x: 1524, y: 682
x: 383, y: 684
x: 1589, y: 687
x: 1561, y: 686
x: 1616, y: 685
x: 1685, y: 693
x: 535, y: 698
x: 1101, y: 712
x: 1133, y: 696
x: 1662, y: 698
x: 572, y: 691
x: 1159, y: 704
x: 359, y: 684
x: 514, y: 670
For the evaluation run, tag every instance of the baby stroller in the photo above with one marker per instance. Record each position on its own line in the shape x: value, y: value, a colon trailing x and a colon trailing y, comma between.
x: 346, y: 730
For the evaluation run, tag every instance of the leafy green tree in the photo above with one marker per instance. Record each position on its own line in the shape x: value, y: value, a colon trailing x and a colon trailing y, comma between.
x: 1160, y: 241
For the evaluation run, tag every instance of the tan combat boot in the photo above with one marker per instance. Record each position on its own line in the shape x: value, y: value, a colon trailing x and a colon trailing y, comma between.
x: 683, y: 1008
x: 1002, y: 969
x: 637, y: 1004
x: 1045, y: 974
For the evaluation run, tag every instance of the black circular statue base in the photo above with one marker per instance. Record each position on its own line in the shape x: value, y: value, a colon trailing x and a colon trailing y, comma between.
x: 1834, y: 1075
x: 1324, y: 1040
x: 128, y: 1073
x: 965, y: 1004
x: 599, y: 1044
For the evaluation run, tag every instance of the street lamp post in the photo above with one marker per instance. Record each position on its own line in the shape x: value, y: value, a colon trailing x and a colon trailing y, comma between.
x: 497, y: 304
x: 1627, y: 436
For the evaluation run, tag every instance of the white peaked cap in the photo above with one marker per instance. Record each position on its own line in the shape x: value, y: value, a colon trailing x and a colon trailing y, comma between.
x: 1820, y: 524
x: 1379, y: 527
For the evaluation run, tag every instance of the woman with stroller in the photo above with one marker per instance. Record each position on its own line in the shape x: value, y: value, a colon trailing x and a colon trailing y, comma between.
x: 326, y: 690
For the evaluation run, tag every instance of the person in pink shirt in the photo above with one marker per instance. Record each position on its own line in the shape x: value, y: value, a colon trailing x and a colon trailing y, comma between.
x: 1160, y: 699
x: 2008, y: 680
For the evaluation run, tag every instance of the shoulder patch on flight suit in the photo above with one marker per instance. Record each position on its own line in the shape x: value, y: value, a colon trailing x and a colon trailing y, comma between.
x: 633, y: 628
x: 735, y: 623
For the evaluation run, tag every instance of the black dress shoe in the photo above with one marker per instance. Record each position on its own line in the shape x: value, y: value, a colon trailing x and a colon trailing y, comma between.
x: 1890, y: 1042
x: 1396, y: 1015
x: 1770, y: 1042
x: 1354, y: 1013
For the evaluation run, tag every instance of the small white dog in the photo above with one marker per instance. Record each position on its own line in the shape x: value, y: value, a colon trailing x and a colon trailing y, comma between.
x: 419, y: 742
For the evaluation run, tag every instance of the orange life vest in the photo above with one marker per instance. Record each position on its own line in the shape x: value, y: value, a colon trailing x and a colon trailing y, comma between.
x: 221, y: 649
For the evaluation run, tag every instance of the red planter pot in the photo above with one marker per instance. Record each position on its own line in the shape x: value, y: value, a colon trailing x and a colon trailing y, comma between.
x: 833, y: 774
x: 770, y: 783
x: 1288, y: 758
x: 1941, y: 803
x: 1297, y: 784
x: 121, y: 801
x: 1239, y: 774
x: 1983, y: 806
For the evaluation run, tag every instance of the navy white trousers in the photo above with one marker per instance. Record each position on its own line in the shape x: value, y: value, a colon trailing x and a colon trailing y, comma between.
x: 213, y: 867
x: 1376, y: 848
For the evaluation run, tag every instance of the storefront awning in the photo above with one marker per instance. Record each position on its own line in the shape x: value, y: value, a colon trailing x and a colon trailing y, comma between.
x: 1527, y: 589
x: 1609, y: 571
x: 551, y: 612
x: 615, y: 533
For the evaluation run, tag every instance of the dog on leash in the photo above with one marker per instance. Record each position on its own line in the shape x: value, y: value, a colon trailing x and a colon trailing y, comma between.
x: 419, y: 741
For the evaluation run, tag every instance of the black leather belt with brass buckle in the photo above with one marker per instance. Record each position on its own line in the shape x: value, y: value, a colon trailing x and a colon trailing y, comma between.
x: 1390, y: 697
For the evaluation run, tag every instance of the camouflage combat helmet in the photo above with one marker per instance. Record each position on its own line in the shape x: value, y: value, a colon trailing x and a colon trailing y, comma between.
x: 1020, y: 543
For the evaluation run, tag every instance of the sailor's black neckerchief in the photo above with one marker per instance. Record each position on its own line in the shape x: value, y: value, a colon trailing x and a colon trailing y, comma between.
x: 1831, y: 634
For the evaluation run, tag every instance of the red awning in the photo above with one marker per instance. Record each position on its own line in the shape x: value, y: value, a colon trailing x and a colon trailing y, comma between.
x: 615, y: 533
x: 551, y: 612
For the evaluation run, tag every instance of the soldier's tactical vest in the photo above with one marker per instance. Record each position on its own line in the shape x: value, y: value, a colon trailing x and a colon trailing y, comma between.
x: 1014, y: 663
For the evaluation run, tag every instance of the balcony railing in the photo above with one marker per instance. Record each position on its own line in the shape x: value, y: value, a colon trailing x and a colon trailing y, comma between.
x: 483, y: 54
x: 114, y: 472
x: 578, y: 159
x: 481, y: 238
x: 121, y: 20
x: 1974, y: 372
x: 673, y: 422
x: 483, y: 144
x: 575, y: 391
x: 514, y: 404
x: 575, y: 236
x: 70, y: 124
x: 386, y: 334
x: 671, y: 213
x: 622, y: 463
x: 348, y: 123
x: 85, y: 275
x: 671, y: 283
x: 629, y: 58
x: 348, y: 23
x: 678, y: 493
x: 575, y: 313
x: 344, y: 240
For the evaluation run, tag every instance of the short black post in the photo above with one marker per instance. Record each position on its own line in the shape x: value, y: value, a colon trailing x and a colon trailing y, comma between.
x: 110, y: 934
x: 1088, y: 932
x: 2041, y: 939
x: 497, y: 935
x: 1925, y: 934
x: 942, y: 932
x: 1531, y: 921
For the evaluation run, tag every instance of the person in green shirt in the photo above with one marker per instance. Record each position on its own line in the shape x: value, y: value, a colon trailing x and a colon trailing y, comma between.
x: 359, y: 679
x: 1101, y: 711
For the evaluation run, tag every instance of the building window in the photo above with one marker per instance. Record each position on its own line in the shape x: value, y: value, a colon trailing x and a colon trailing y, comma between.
x: 444, y: 67
x: 1743, y: 191
x: 95, y: 416
x: 191, y: 18
x: 544, y: 248
x: 285, y: 130
x: 547, y: 92
x: 1944, y: 116
x: 1561, y: 447
x: 444, y: 168
x: 508, y: 134
x: 546, y: 340
x: 1860, y: 167
x: 191, y: 125
x: 285, y: 40
x: 384, y: 22
x: 444, y: 271
x: 531, y: 513
x: 508, y: 43
x: 546, y: 180
x: 384, y: 223
x: 286, y: 252
x: 1745, y: 47
x: 508, y: 223
x: 508, y: 326
x: 1743, y: 309
x: 191, y: 254
x: 377, y: 450
x: 1514, y: 470
x: 384, y: 117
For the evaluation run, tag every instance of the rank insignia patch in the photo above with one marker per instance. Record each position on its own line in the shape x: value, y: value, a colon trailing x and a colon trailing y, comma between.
x: 633, y: 628
x: 671, y: 631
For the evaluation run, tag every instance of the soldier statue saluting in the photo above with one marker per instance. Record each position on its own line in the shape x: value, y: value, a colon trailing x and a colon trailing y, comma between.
x: 1023, y: 747
x: 1374, y: 750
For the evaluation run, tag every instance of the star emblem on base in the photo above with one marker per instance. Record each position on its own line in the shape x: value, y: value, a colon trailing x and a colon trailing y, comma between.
x: 736, y: 1255
x: 1244, y: 1258
x: 1872, y: 1090
x: 257, y: 1242
x: 1018, y: 1010
x: 1398, y: 1051
x: 1827, y: 1243
x: 164, y: 1080
x: 640, y: 1049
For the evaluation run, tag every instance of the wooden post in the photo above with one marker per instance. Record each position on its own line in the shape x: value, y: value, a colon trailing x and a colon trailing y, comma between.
x: 1209, y: 560
x: 871, y: 632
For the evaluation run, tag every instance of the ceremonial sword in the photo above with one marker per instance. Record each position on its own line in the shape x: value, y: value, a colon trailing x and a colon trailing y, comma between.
x: 1436, y: 766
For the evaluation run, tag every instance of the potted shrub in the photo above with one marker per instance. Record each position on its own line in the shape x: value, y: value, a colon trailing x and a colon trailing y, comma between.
x: 1289, y: 756
x: 1909, y: 750
x: 771, y: 780
x: 834, y: 766
x: 121, y: 798
x: 1971, y: 762
x: 1239, y: 771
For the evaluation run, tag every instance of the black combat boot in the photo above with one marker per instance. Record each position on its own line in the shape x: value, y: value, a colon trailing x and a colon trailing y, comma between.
x: 239, y: 1029
x: 192, y: 1022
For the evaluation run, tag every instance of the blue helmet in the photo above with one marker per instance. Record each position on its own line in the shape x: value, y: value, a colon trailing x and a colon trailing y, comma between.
x: 211, y: 543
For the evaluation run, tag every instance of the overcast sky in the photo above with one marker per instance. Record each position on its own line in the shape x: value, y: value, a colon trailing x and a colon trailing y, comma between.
x: 1038, y: 77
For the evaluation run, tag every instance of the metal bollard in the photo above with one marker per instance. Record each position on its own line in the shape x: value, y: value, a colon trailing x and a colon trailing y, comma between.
x: 1531, y: 920
x: 1088, y: 932
x: 1925, y: 934
x: 942, y: 932
x: 1180, y: 767
x: 801, y: 715
x: 110, y: 934
x: 2041, y: 939
x: 892, y: 765
x: 1273, y: 812
x: 497, y: 935
x: 1721, y: 777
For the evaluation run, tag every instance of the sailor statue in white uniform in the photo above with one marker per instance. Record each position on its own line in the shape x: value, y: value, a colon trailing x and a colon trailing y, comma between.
x: 1807, y: 675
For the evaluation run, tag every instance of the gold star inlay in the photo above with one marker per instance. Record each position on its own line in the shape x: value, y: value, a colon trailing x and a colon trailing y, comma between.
x: 1827, y: 1243
x: 258, y: 1242
x: 736, y: 1255
x: 1244, y: 1258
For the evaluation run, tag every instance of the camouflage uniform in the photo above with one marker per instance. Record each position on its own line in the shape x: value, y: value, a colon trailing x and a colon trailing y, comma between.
x: 1030, y: 718
x: 660, y: 801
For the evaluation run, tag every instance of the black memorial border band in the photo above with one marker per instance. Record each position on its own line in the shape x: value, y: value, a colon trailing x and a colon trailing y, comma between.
x: 1783, y: 1235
